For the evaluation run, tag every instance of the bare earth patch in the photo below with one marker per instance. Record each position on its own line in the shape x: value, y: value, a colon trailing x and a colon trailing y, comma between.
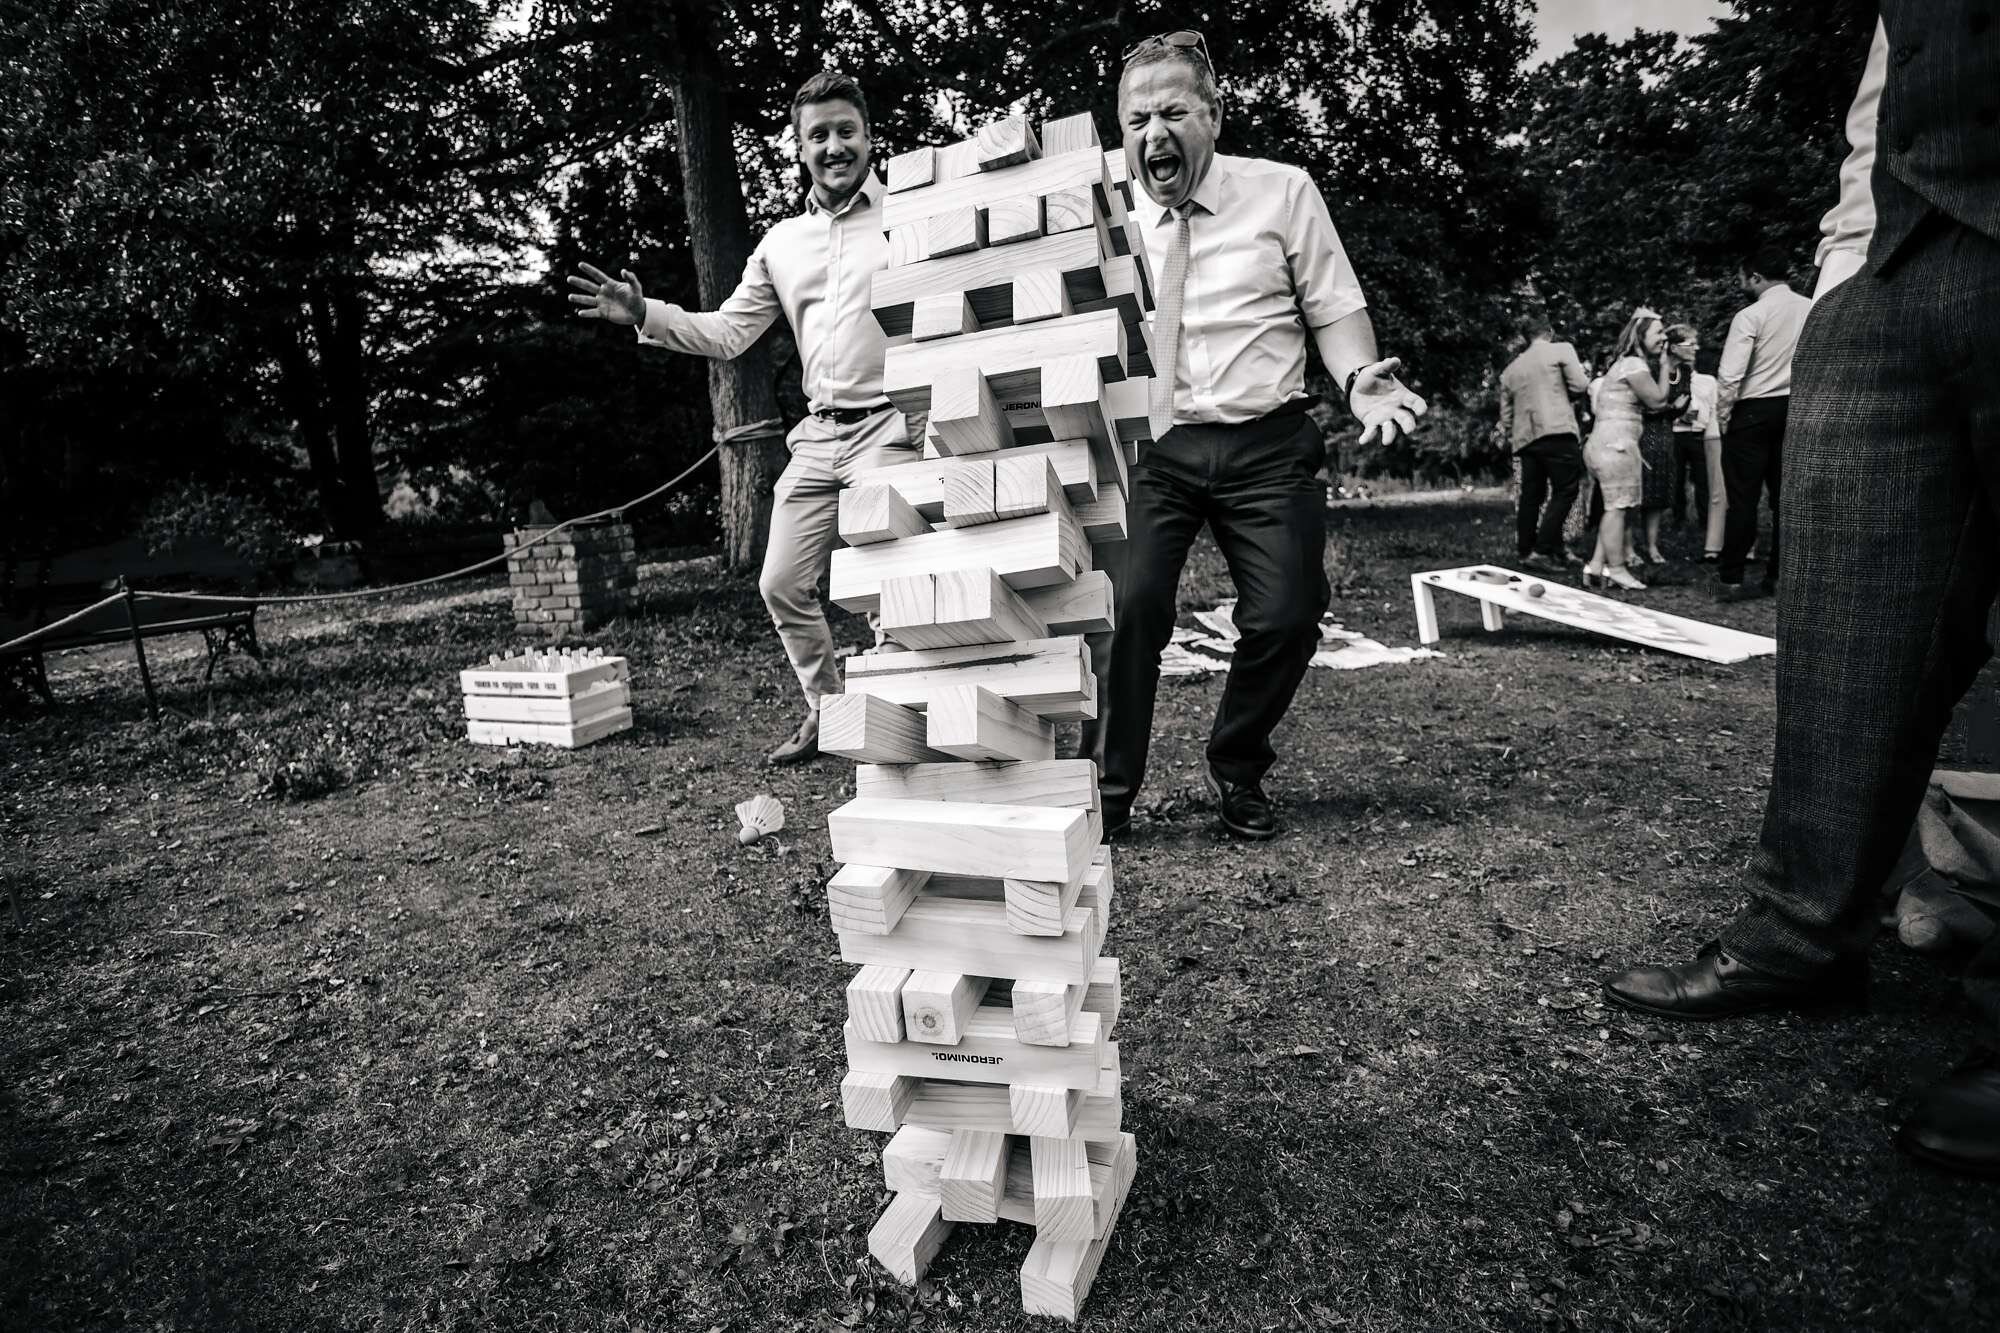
x: 324, y: 1018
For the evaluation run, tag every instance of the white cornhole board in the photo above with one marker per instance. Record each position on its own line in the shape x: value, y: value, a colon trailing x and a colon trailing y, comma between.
x: 1579, y: 610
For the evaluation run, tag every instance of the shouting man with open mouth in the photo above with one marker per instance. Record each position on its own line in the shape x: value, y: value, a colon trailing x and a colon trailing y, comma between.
x: 1245, y: 264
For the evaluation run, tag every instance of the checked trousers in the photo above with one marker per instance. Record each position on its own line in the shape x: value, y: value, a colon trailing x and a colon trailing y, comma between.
x: 1892, y: 560
x: 1255, y: 486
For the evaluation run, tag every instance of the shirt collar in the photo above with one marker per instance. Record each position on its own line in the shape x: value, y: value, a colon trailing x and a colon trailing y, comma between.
x: 1207, y: 196
x: 1776, y: 292
x: 870, y: 191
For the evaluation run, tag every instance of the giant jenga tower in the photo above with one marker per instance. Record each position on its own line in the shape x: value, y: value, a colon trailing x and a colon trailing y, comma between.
x: 975, y: 894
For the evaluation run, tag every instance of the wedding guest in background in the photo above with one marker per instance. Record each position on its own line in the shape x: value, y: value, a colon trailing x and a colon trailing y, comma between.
x: 1697, y: 442
x: 1631, y: 386
x: 1538, y: 422
x: 1753, y: 394
x: 1656, y: 459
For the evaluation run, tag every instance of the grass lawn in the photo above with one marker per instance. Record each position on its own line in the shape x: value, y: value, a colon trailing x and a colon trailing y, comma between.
x: 324, y: 1018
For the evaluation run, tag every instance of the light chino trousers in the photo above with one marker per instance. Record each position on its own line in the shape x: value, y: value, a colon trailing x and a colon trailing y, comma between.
x: 827, y: 456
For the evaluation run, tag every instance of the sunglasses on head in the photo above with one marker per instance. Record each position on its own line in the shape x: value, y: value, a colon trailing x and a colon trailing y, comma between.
x: 1185, y: 39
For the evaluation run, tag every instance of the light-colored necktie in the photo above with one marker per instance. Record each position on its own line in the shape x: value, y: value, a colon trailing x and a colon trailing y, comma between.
x: 1167, y: 327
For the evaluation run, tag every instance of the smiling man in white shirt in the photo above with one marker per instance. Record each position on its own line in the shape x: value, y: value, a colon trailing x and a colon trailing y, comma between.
x: 817, y: 270
x: 1246, y: 267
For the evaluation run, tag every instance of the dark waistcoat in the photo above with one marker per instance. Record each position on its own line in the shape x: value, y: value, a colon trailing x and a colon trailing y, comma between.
x: 1938, y: 139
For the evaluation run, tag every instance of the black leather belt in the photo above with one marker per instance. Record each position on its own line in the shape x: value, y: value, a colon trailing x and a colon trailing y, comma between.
x: 847, y: 416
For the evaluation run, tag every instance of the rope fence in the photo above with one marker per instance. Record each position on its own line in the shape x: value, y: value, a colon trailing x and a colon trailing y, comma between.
x: 290, y: 599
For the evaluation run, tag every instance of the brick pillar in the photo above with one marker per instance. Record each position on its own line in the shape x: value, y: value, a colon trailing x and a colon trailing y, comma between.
x: 573, y: 582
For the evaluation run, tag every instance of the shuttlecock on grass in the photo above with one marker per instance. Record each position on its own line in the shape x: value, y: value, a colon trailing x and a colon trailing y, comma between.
x: 760, y: 815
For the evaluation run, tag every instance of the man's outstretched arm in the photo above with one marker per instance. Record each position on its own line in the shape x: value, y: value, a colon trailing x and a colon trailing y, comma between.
x: 720, y: 334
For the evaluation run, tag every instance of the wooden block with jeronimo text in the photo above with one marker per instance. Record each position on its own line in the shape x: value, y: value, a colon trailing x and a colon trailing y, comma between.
x: 987, y: 1052
x: 871, y: 899
x: 870, y: 728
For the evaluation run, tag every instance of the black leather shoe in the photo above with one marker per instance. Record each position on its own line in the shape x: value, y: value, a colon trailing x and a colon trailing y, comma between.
x: 1245, y: 809
x: 1741, y: 592
x: 1957, y: 1124
x: 1715, y: 986
x: 1117, y: 823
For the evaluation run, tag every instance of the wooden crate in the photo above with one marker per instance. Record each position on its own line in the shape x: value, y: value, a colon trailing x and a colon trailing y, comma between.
x: 567, y: 697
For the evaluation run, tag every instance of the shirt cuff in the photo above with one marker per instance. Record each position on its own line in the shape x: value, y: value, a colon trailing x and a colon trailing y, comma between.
x: 1839, y: 266
x: 660, y: 316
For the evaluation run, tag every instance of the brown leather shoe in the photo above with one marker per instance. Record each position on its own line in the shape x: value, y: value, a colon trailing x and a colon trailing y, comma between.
x: 1957, y: 1124
x: 1715, y: 985
x: 802, y: 745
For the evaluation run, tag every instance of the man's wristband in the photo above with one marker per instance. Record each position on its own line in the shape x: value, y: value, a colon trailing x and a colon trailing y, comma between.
x: 1347, y: 391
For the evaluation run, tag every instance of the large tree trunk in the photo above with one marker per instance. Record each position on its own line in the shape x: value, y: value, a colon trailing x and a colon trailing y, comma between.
x: 299, y: 386
x: 739, y: 391
x: 337, y: 321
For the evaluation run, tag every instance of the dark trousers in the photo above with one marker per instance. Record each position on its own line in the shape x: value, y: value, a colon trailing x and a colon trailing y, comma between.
x: 1551, y: 466
x: 1691, y: 464
x: 1752, y: 462
x: 1255, y: 487
x: 1892, y: 506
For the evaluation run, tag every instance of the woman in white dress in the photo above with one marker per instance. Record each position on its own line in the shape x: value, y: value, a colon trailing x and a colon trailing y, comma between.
x: 1612, y: 453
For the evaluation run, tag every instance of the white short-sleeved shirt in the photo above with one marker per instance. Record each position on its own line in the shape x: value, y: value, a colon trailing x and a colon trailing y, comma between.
x: 1264, y: 266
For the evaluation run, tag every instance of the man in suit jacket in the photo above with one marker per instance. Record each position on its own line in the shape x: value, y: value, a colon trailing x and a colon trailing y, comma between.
x: 1892, y: 503
x: 1539, y: 425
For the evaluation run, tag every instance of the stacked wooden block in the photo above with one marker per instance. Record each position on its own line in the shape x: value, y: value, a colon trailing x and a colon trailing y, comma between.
x: 565, y: 696
x: 576, y: 580
x: 975, y: 894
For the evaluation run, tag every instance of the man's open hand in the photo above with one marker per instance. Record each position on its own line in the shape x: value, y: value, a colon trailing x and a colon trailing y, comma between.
x: 1382, y: 404
x: 600, y: 296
